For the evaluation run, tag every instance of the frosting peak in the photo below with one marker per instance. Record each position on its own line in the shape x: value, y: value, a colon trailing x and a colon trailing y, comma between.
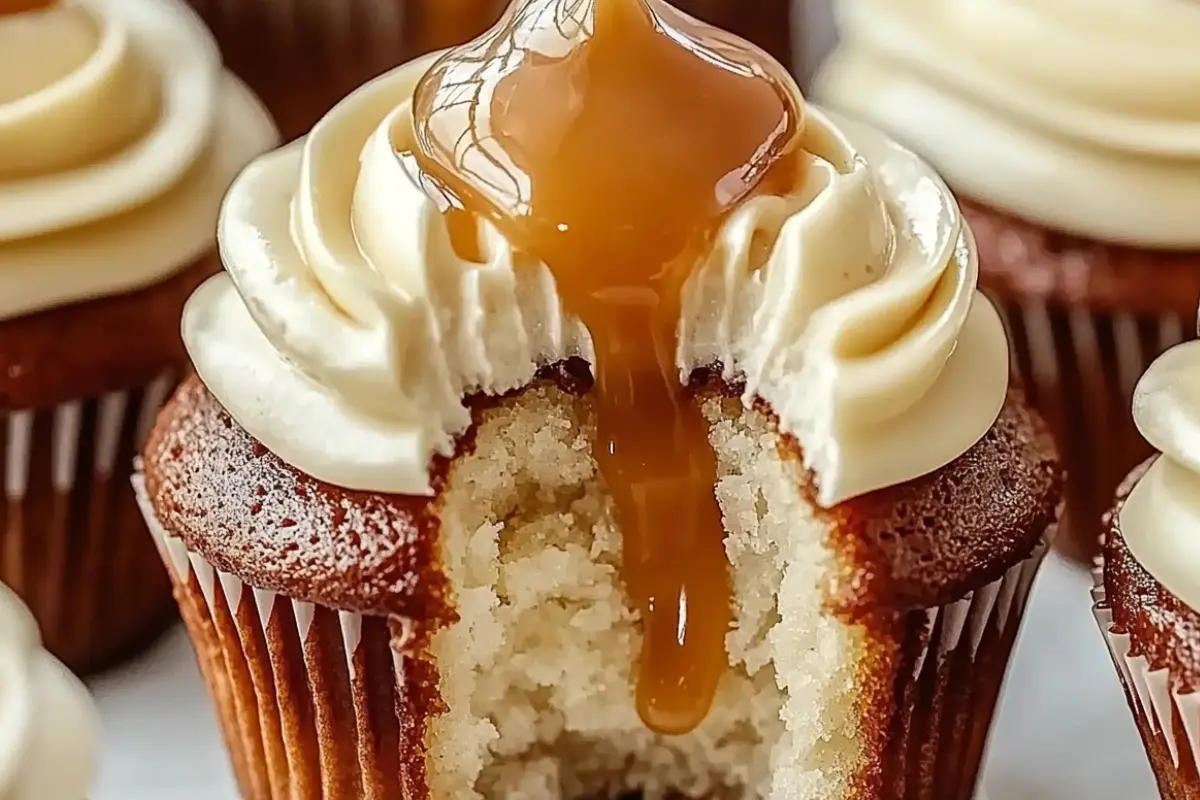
x: 73, y: 87
x: 1079, y: 116
x: 119, y: 132
x: 1160, y: 520
x: 349, y: 327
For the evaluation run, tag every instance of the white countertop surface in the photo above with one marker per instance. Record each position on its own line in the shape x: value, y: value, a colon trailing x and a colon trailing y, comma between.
x: 1064, y: 732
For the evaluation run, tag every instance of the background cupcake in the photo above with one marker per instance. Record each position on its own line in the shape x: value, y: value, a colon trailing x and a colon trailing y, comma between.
x: 1148, y: 588
x: 403, y: 573
x: 119, y: 134
x: 1079, y: 183
x: 301, y: 57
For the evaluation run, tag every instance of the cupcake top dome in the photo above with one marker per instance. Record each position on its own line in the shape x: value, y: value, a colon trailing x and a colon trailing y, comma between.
x: 1079, y: 116
x: 119, y: 134
x: 355, y: 314
x: 49, y: 730
x: 1160, y: 520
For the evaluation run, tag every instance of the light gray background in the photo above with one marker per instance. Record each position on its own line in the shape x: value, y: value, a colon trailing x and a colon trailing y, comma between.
x: 1064, y: 732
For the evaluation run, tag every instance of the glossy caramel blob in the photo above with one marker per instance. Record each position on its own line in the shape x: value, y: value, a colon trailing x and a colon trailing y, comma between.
x: 610, y: 138
x: 19, y: 6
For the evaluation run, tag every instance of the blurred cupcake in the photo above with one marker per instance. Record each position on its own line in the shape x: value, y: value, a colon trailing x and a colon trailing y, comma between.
x: 1148, y: 587
x: 392, y: 499
x: 301, y: 57
x: 49, y: 729
x: 1071, y: 138
x: 119, y: 134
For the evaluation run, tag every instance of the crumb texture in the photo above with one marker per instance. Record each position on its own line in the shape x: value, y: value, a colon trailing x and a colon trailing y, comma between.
x: 536, y: 674
x: 506, y: 601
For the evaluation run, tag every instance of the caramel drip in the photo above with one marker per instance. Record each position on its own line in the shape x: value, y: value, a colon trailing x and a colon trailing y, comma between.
x: 609, y: 139
x: 20, y: 6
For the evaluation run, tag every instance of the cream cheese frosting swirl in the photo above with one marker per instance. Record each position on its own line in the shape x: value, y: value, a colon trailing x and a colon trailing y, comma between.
x: 1160, y: 520
x: 1081, y: 115
x: 349, y: 328
x: 49, y: 729
x: 119, y: 134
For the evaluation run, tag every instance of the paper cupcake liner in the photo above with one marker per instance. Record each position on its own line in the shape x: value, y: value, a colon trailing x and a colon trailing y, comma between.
x: 312, y: 700
x: 73, y: 544
x: 1168, y: 720
x: 303, y: 56
x: 956, y: 657
x: 1079, y: 369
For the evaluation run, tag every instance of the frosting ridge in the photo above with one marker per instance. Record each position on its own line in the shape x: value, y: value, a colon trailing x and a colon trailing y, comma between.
x: 122, y: 121
x: 352, y: 320
x: 1160, y: 520
x: 49, y: 730
x: 1082, y: 119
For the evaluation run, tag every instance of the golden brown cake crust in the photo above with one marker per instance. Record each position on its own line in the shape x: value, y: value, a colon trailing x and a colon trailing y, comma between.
x: 1022, y: 261
x: 917, y: 545
x: 87, y: 349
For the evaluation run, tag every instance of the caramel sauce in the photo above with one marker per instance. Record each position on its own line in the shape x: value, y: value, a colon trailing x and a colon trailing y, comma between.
x: 610, y: 139
x: 20, y: 6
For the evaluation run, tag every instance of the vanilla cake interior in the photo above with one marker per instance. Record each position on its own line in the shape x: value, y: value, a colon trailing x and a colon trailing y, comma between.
x: 537, y: 672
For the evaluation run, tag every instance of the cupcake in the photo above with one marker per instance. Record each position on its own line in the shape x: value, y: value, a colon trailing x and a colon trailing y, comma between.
x: 1070, y: 137
x: 1146, y: 592
x: 119, y: 134
x: 629, y: 472
x: 49, y: 730
x: 302, y: 57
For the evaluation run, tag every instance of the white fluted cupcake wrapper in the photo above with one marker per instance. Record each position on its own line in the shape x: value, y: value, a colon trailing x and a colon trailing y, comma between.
x: 72, y: 544
x: 1149, y: 690
x: 1062, y: 354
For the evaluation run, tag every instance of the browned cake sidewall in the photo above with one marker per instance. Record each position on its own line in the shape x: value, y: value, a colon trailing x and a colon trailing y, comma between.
x: 79, y: 389
x: 1084, y: 320
x: 312, y: 704
x: 1149, y: 629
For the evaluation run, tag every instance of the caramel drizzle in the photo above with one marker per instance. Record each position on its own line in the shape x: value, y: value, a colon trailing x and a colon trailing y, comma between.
x: 610, y: 139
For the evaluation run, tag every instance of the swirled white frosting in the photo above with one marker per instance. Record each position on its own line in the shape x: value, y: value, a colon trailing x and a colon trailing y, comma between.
x: 347, y: 330
x: 1081, y: 115
x: 1160, y: 521
x: 119, y: 134
x: 49, y: 730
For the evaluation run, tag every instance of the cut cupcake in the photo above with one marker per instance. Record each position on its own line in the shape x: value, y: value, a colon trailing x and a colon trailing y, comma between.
x: 1146, y: 591
x: 702, y: 479
x: 1080, y: 188
x: 119, y: 134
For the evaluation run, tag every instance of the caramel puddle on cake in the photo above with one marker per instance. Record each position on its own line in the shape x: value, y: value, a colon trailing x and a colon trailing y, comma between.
x: 610, y: 139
